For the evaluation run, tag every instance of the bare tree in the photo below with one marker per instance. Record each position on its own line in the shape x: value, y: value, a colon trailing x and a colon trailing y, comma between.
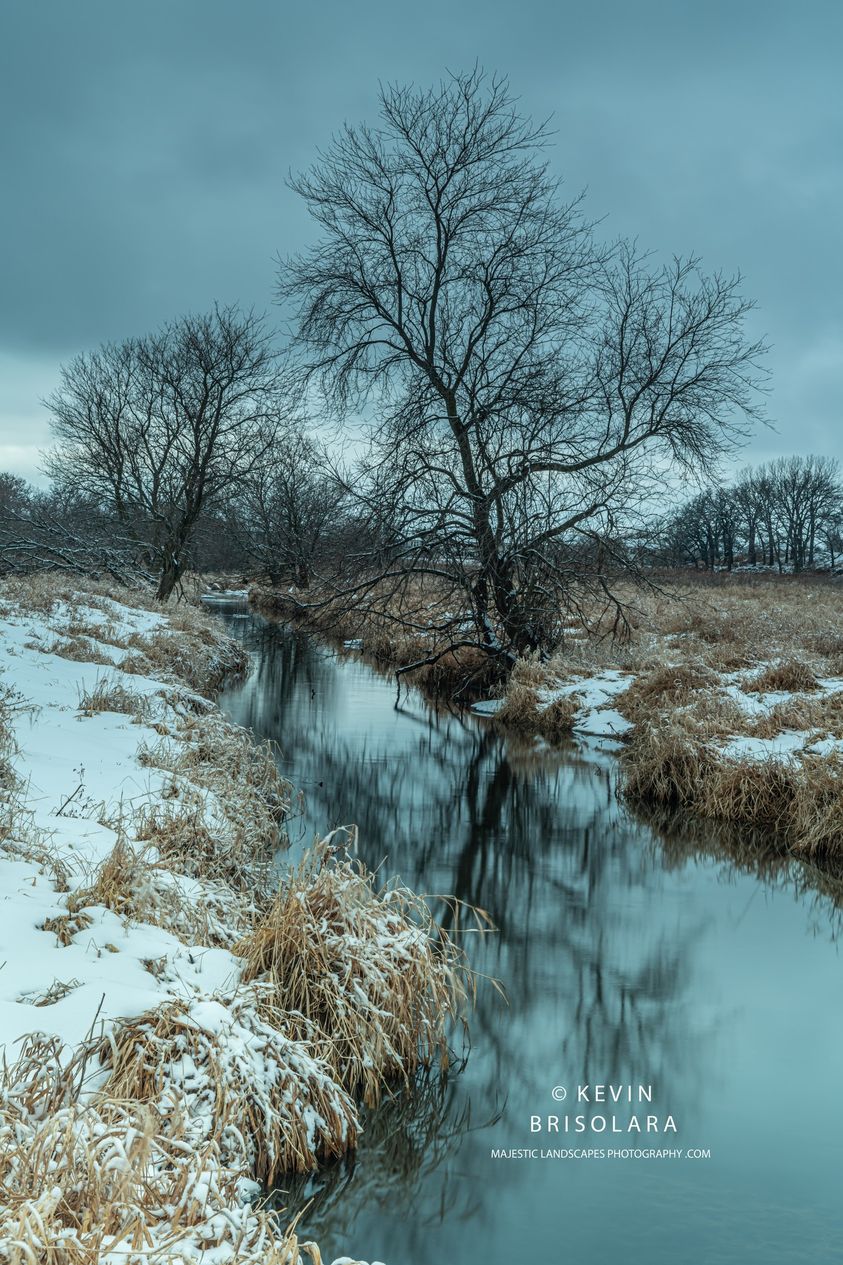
x: 287, y: 514
x: 163, y: 427
x: 62, y: 531
x: 530, y: 389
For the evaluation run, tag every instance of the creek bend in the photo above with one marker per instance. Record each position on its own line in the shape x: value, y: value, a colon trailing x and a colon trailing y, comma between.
x: 631, y: 951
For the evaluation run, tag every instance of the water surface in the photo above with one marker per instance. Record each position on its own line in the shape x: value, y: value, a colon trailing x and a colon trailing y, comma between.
x: 631, y: 951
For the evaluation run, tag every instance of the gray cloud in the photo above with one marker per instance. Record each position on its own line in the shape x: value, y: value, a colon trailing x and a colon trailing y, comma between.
x: 146, y: 145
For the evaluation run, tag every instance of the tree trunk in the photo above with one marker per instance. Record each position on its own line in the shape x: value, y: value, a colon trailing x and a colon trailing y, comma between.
x: 751, y: 548
x: 170, y: 574
x: 171, y: 571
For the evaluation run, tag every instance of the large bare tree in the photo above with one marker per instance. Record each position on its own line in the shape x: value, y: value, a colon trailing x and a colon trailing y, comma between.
x: 162, y: 428
x: 527, y: 386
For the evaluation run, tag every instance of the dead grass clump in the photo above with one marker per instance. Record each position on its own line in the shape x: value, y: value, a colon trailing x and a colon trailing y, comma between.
x: 757, y: 792
x: 219, y: 756
x: 58, y: 990
x: 111, y: 696
x: 531, y: 671
x: 139, y: 890
x: 665, y: 762
x: 556, y: 720
x: 82, y: 1179
x: 520, y: 707
x: 712, y: 623
x: 232, y: 800
x: 728, y: 656
x: 818, y: 714
x: 816, y: 816
x: 231, y: 1078
x: 828, y: 643
x: 525, y: 706
x: 226, y: 906
x: 789, y: 675
x: 368, y: 968
x: 201, y: 656
x: 79, y: 649
x: 667, y: 687
x: 66, y: 926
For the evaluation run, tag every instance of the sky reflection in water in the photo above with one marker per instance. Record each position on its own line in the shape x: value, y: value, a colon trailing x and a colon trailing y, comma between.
x: 631, y: 951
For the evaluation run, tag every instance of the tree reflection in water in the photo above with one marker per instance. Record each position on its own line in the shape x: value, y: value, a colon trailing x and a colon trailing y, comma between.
x: 598, y: 960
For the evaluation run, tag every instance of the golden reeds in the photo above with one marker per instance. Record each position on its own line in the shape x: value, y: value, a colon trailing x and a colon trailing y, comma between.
x: 789, y: 675
x: 229, y: 1077
x: 84, y: 1177
x: 366, y: 968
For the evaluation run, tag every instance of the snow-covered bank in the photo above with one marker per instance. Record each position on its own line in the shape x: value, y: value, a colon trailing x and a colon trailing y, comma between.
x: 154, y: 1072
x: 760, y: 744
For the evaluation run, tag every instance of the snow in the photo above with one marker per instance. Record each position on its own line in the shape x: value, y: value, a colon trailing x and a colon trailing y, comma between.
x: 487, y: 706
x: 788, y: 745
x: 77, y: 772
x: 757, y: 703
x: 225, y: 595
x: 594, y: 695
x: 783, y: 746
x: 77, y: 782
x: 603, y: 722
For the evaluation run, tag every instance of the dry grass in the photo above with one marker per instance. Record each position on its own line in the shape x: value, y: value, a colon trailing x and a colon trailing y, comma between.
x: 66, y: 926
x: 140, y: 889
x: 816, y: 813
x: 790, y: 676
x: 520, y: 708
x: 225, y: 804
x: 80, y: 1179
x: 525, y: 711
x: 665, y: 689
x: 191, y: 650
x: 79, y: 649
x: 556, y: 720
x: 818, y: 713
x: 662, y: 763
x: 758, y: 792
x: 111, y: 696
x: 42, y: 590
x: 227, y: 1076
x: 9, y: 704
x: 366, y: 968
x: 798, y: 799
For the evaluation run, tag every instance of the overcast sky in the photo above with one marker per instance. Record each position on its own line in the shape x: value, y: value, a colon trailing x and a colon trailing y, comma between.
x: 145, y: 145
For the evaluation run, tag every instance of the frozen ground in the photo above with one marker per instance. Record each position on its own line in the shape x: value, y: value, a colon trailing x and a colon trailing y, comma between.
x: 97, y: 927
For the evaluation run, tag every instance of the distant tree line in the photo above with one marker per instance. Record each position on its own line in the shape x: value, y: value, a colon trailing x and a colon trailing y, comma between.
x: 786, y: 515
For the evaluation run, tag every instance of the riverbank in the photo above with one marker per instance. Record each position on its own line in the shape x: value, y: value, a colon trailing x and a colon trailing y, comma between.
x: 407, y: 630
x: 725, y: 696
x: 178, y: 1030
x: 727, y: 700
